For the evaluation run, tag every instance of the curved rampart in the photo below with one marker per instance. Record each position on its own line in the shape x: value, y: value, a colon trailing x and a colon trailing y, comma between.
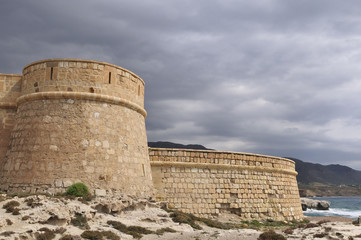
x: 208, y: 183
x: 78, y: 121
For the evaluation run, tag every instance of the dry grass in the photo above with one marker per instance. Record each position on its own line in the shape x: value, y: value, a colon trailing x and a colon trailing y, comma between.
x: 271, y: 235
x: 11, y: 207
x: 135, y: 231
x: 79, y: 221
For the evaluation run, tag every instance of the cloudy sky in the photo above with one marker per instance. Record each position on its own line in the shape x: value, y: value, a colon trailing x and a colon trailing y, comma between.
x: 273, y: 77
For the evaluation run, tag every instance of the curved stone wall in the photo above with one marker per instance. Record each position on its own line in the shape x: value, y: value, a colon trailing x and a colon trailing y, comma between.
x: 78, y: 121
x: 208, y: 183
x: 75, y: 75
x: 9, y: 92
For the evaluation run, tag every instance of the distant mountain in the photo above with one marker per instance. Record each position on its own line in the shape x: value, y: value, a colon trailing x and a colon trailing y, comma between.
x: 327, y: 174
x: 176, y: 145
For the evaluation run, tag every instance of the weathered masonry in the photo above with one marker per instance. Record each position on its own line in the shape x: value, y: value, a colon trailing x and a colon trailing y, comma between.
x: 207, y: 183
x: 76, y: 120
x: 68, y: 120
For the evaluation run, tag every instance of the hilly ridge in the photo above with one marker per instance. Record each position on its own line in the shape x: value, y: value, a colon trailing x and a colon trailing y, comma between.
x: 161, y: 144
x: 328, y: 174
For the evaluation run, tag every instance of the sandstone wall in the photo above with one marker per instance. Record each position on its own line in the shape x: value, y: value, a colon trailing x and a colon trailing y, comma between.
x: 74, y: 75
x: 78, y: 121
x: 9, y: 92
x: 208, y: 183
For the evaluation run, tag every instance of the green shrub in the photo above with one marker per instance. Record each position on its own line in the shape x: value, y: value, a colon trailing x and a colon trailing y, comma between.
x: 78, y: 190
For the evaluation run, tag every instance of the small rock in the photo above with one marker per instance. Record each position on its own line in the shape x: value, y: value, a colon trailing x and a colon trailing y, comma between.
x: 314, y: 204
x: 100, y: 192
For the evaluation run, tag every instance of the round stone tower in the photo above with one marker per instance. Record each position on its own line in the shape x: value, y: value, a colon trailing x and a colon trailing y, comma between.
x: 78, y: 121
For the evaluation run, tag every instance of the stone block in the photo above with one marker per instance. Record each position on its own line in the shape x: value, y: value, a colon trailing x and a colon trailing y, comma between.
x: 58, y: 183
x: 100, y: 192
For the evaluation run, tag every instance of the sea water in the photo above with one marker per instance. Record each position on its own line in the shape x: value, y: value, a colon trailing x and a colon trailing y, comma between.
x: 340, y: 206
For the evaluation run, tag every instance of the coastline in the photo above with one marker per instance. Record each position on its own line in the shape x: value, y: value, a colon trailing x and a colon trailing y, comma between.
x: 341, y: 206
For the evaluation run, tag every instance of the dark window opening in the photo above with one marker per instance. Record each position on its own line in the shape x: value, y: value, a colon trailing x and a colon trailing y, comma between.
x: 91, y: 90
x: 110, y: 77
x: 51, y: 73
x: 70, y: 89
x: 138, y: 90
x: 35, y: 84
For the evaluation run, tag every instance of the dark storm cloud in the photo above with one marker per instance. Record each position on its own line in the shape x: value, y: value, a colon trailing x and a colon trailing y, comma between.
x: 272, y: 77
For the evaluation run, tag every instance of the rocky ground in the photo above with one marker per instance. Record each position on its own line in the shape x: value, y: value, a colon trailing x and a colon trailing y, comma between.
x: 42, y: 217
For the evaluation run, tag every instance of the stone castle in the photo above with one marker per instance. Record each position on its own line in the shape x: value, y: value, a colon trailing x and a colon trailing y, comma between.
x: 68, y: 120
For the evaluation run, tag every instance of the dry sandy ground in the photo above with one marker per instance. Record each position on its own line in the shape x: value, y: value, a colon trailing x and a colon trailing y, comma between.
x: 36, y: 212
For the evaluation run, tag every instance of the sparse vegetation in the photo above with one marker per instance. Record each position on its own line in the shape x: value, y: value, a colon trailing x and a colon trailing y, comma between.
x: 270, y: 224
x: 192, y: 220
x: 11, y: 207
x: 92, y: 235
x: 7, y: 233
x: 322, y: 222
x: 110, y: 235
x: 186, y: 218
x: 99, y: 235
x: 271, y: 235
x: 67, y: 237
x: 46, y: 235
x: 135, y: 231
x: 79, y: 221
x: 163, y: 230
x: 78, y: 190
x: 86, y: 199
x: 30, y: 202
x: 289, y: 230
x: 320, y: 235
x: 311, y: 225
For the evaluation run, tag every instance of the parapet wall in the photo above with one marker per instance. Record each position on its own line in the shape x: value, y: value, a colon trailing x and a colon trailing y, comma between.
x: 208, y: 183
x: 83, y: 76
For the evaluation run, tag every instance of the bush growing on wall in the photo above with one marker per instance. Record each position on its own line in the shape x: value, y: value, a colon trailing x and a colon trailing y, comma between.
x: 78, y: 190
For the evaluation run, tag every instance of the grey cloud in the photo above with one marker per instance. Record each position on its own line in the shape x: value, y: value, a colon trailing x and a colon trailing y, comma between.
x: 273, y: 77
